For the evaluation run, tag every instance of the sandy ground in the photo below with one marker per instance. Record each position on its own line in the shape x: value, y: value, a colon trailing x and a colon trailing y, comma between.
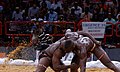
x: 14, y: 68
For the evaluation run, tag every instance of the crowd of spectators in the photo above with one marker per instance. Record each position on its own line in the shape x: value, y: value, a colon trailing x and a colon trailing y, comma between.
x: 54, y: 10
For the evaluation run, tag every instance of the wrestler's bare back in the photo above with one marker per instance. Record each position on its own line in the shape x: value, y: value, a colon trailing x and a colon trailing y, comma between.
x: 52, y: 48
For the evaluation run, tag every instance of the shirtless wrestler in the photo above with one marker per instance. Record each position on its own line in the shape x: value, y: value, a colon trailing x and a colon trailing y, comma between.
x: 53, y: 54
x: 85, y: 46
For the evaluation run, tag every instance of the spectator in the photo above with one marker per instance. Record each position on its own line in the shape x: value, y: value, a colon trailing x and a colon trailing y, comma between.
x: 101, y: 15
x: 86, y: 14
x: 50, y: 16
x: 37, y: 18
x: 55, y: 4
x: 43, y: 10
x: 65, y: 13
x: 110, y: 19
x: 1, y: 13
x: 77, y: 10
x: 1, y: 8
x: 117, y: 17
x: 108, y: 28
x: 17, y: 14
x: 109, y: 10
x: 118, y: 27
x: 40, y: 39
x: 47, y: 2
x: 72, y: 16
x: 95, y: 16
x: 33, y: 11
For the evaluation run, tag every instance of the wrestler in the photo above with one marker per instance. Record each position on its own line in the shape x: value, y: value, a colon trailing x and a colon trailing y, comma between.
x: 53, y: 54
x: 85, y: 46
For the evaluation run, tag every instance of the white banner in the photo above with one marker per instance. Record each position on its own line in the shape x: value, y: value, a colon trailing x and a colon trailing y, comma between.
x: 96, y: 29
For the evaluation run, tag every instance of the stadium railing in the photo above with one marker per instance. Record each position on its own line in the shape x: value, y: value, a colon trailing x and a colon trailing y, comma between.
x: 60, y: 27
x: 118, y: 29
x: 117, y: 34
x: 111, y: 34
x: 79, y: 24
x: 16, y: 29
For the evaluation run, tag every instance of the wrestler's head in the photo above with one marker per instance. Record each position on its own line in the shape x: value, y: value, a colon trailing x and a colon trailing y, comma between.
x: 68, y: 45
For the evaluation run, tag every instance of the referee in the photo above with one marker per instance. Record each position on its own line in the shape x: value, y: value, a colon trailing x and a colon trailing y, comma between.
x: 40, y: 39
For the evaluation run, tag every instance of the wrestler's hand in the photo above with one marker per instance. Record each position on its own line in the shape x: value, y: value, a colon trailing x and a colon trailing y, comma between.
x: 73, y: 66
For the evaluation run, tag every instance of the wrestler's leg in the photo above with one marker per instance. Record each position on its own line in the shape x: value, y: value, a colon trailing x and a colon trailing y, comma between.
x: 75, y: 60
x: 43, y: 64
x: 103, y: 57
x: 65, y: 70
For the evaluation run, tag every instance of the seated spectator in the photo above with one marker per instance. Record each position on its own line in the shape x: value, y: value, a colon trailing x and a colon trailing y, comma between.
x: 95, y: 17
x: 108, y: 28
x: 47, y: 2
x: 65, y: 13
x: 87, y: 14
x: 32, y: 11
x: 17, y: 14
x: 37, y: 18
x: 109, y: 19
x: 77, y: 10
x: 55, y: 4
x: 43, y: 10
x: 72, y: 16
x: 50, y: 16
x: 101, y: 15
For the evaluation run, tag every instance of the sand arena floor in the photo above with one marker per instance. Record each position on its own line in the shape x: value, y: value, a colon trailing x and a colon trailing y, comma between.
x: 14, y: 68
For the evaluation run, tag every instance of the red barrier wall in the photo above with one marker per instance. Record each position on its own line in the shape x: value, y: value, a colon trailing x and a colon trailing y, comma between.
x: 109, y: 35
x: 12, y: 28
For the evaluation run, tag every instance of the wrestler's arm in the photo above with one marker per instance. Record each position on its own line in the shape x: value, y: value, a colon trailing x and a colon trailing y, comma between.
x: 83, y: 59
x: 90, y: 36
x: 56, y: 59
x: 83, y: 64
x: 63, y: 38
x: 103, y: 57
